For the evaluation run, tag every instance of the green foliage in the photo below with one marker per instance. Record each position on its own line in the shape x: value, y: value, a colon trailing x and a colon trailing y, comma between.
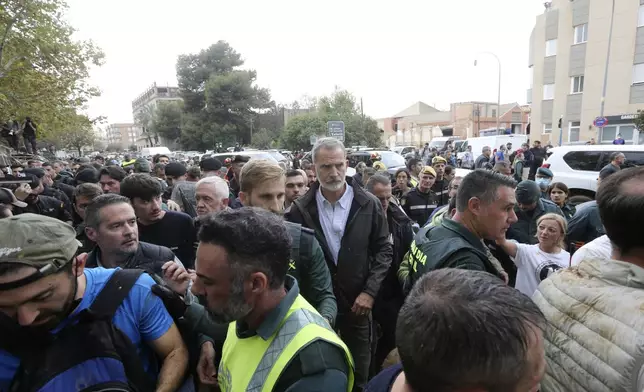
x: 639, y: 120
x: 167, y: 120
x: 219, y: 99
x: 43, y: 70
x: 263, y: 139
x: 78, y: 134
x: 340, y: 106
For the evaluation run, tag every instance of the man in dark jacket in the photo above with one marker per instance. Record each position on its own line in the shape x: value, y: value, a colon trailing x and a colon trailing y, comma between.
x: 529, y: 208
x: 352, y: 229
x: 262, y: 184
x: 585, y: 225
x: 37, y: 203
x: 421, y: 202
x: 390, y: 298
x: 483, y: 160
x: 441, y: 184
x: 48, y: 187
x: 484, y: 210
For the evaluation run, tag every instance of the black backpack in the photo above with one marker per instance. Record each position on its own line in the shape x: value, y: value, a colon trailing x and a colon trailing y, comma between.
x: 89, y: 355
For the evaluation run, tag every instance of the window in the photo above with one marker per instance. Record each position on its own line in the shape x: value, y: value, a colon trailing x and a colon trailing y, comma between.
x: 548, y: 91
x: 640, y: 19
x: 581, y: 33
x: 547, y: 128
x: 551, y: 47
x: 573, y: 131
x: 494, y: 113
x: 583, y: 160
x: 638, y: 73
x: 577, y: 84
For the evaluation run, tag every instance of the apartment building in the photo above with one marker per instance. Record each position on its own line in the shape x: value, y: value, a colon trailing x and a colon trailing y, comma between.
x: 567, y: 61
x: 122, y: 135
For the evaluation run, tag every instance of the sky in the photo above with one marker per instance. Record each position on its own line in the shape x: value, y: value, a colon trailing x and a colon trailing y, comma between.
x: 389, y: 53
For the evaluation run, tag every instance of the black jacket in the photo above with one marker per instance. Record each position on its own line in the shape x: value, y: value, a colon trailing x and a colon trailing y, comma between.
x: 441, y: 191
x: 585, y: 225
x: 402, y: 235
x: 48, y: 206
x: 365, y: 253
x: 448, y: 245
x: 148, y: 257
x: 524, y: 230
x: 310, y: 270
x: 60, y: 195
x: 419, y: 206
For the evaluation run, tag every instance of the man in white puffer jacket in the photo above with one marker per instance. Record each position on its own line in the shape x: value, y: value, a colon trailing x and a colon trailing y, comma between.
x: 595, y: 311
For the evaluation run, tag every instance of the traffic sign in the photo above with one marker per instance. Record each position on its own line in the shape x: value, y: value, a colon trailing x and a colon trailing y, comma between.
x: 313, y: 139
x: 600, y: 122
x: 336, y: 129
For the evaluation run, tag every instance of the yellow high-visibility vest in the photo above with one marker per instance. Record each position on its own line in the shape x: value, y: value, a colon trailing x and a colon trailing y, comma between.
x: 255, y: 364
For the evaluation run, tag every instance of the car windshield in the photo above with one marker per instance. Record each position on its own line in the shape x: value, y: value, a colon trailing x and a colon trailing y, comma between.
x: 278, y: 157
x: 391, y: 159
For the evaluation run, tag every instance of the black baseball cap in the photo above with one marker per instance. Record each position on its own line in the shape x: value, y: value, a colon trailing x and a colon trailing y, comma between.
x: 210, y: 164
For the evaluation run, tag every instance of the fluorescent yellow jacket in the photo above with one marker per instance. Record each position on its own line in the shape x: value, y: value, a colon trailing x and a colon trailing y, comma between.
x: 255, y: 364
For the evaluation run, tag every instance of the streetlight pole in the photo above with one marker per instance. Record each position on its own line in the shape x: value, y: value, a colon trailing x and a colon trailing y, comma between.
x: 610, y: 39
x: 498, y: 102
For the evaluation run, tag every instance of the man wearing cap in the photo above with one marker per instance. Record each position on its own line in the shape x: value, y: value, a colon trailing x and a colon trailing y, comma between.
x: 44, y: 285
x: 238, y: 162
x: 529, y: 208
x: 420, y: 202
x: 211, y: 167
x: 48, y: 189
x: 543, y: 178
x: 183, y: 191
x: 441, y: 184
x: 37, y: 203
x: 9, y: 199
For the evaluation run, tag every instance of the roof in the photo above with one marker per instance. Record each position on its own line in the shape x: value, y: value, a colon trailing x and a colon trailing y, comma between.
x: 431, y: 118
x: 507, y: 107
x: 417, y: 109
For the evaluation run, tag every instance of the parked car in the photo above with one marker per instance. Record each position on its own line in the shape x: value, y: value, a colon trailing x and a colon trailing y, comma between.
x: 392, y: 160
x: 578, y: 166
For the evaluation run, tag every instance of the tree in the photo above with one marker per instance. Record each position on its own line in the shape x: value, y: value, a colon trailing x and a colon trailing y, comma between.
x: 43, y: 70
x: 639, y: 120
x: 167, y: 120
x: 79, y: 134
x: 144, y: 118
x: 339, y: 106
x: 263, y: 139
x: 219, y: 99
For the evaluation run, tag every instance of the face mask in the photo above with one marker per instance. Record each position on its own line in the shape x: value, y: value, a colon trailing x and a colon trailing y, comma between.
x: 543, y: 182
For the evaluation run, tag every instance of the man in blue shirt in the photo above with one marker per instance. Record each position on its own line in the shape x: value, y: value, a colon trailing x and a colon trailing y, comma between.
x: 43, y: 286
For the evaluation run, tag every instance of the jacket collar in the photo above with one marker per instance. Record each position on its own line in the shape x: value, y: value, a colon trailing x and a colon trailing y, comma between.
x: 617, y: 272
x: 359, y: 195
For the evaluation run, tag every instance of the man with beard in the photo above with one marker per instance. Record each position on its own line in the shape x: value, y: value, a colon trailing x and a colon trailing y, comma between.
x: 352, y: 230
x: 262, y: 185
x: 211, y: 194
x: 276, y: 341
x: 295, y: 186
x: 46, y: 289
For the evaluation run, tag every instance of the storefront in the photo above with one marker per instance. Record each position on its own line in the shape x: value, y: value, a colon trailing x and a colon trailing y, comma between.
x: 621, y: 125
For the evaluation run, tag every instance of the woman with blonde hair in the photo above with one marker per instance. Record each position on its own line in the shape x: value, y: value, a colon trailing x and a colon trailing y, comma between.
x: 537, y: 262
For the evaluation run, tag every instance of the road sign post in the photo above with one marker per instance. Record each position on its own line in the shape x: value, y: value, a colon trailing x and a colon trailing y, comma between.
x: 600, y: 122
x: 336, y: 129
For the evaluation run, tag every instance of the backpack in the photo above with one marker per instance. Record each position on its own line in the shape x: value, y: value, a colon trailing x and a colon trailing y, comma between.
x: 90, y: 355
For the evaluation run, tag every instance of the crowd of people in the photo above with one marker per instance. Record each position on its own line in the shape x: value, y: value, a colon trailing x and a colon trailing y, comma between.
x: 150, y: 274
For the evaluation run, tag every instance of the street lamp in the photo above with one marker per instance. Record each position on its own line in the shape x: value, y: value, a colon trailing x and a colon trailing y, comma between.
x: 498, y: 109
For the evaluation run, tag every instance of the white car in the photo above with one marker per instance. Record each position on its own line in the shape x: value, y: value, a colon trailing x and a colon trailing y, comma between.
x: 578, y: 166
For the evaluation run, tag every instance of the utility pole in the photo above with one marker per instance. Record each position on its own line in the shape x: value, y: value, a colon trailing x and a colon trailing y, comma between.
x: 251, y: 129
x: 362, y: 116
x: 610, y: 39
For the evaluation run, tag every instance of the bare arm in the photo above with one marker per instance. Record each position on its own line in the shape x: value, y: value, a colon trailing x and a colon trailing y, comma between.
x: 510, y: 247
x: 174, y: 354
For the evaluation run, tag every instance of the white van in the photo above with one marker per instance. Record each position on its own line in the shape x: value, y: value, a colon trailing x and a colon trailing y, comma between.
x: 152, y: 151
x: 494, y: 142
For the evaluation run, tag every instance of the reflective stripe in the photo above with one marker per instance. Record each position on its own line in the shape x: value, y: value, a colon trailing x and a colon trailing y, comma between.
x: 442, y: 192
x: 293, y: 324
x: 421, y: 207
